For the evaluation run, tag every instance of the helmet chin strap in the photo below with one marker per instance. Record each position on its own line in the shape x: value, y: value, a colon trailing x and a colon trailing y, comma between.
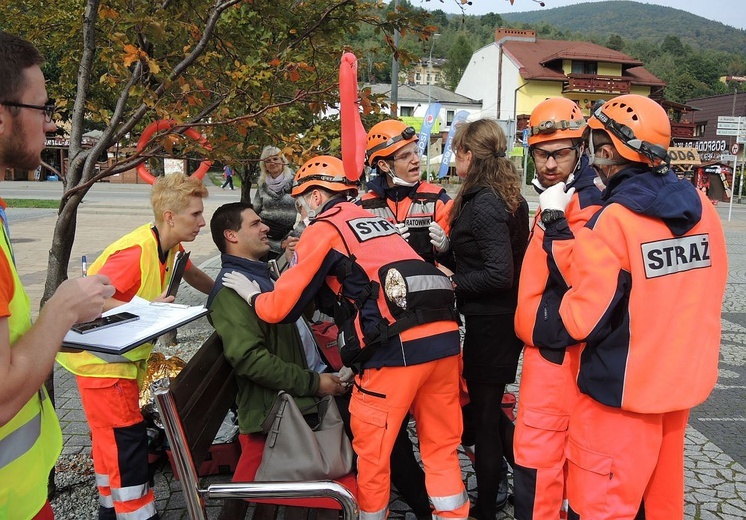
x: 311, y: 213
x: 600, y: 161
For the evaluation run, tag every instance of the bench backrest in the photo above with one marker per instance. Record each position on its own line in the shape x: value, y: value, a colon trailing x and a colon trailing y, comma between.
x: 192, y: 409
x: 204, y: 391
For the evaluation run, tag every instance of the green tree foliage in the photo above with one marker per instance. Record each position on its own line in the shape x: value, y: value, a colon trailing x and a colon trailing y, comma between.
x: 615, y: 42
x: 244, y: 73
x: 458, y: 58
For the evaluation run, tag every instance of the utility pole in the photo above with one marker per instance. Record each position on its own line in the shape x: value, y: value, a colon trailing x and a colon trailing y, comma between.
x: 395, y: 72
x: 429, y: 93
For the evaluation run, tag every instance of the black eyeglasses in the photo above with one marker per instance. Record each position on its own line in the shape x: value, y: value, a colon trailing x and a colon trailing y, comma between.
x: 49, y: 110
x: 558, y: 155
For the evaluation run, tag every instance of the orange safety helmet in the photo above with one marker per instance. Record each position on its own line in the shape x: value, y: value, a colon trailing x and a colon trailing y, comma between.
x: 386, y: 137
x: 555, y: 118
x: 325, y: 172
x: 639, y: 128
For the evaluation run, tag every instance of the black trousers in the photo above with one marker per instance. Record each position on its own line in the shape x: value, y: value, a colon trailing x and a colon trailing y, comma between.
x: 493, y: 436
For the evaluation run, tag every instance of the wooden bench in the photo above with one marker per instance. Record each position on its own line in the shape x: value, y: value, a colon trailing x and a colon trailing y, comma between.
x: 192, y: 408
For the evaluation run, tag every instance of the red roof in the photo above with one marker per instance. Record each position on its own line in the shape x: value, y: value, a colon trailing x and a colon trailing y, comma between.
x: 541, y: 59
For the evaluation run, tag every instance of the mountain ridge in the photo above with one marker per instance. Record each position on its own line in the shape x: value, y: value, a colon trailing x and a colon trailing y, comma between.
x: 634, y: 20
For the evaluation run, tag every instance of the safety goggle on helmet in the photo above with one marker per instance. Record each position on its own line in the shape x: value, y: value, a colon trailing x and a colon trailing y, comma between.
x: 325, y: 172
x: 638, y: 127
x: 386, y: 137
x: 553, y: 119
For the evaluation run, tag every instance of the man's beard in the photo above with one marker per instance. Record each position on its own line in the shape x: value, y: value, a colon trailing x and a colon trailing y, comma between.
x: 14, y: 152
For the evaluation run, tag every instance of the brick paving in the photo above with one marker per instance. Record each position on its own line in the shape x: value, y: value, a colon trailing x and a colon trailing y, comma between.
x: 716, y: 445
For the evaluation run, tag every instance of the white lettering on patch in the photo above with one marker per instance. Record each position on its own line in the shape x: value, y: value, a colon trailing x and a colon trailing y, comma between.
x: 676, y: 255
x: 366, y: 228
x: 418, y: 222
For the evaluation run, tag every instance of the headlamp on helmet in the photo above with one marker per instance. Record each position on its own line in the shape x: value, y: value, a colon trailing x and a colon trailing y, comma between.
x: 551, y: 126
x: 386, y: 138
x: 407, y: 134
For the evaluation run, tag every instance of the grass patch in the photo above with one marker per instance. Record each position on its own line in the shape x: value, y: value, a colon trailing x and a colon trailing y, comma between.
x: 32, y: 203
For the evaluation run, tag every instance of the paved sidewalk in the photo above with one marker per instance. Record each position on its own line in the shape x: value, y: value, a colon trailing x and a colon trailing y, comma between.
x: 715, y: 482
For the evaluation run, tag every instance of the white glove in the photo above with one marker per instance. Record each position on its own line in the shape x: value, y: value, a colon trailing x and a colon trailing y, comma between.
x: 438, y: 238
x: 245, y: 288
x: 402, y: 229
x: 346, y: 374
x: 555, y: 197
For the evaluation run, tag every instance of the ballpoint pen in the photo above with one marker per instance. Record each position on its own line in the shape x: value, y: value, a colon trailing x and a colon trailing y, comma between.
x: 84, y: 266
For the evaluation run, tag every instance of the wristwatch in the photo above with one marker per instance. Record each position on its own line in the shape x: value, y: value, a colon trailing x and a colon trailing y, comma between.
x: 550, y: 215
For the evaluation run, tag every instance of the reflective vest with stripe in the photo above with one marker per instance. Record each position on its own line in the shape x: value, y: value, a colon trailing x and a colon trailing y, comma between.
x: 420, y: 213
x: 428, y: 298
x: 32, y: 440
x: 133, y: 364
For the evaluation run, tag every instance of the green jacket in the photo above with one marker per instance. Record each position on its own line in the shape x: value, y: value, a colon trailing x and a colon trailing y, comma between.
x: 267, y: 358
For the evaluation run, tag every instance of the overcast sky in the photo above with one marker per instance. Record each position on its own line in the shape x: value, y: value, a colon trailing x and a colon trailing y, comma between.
x: 730, y: 12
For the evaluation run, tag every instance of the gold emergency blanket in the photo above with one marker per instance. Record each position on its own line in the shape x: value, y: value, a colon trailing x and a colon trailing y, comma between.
x: 158, y: 368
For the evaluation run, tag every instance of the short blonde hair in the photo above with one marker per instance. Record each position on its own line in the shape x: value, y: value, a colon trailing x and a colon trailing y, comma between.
x: 271, y: 151
x: 172, y: 193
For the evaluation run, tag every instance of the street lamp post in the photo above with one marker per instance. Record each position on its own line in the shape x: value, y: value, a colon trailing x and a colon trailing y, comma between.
x: 429, y: 94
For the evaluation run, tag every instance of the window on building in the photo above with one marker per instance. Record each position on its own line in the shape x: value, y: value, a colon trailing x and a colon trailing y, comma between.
x: 584, y: 67
x: 407, y: 111
x: 418, y: 77
x: 428, y: 79
x: 449, y: 117
x: 437, y: 77
x: 699, y: 130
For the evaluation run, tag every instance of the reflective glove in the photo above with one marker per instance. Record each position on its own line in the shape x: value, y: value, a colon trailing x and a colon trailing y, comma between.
x: 438, y: 238
x: 555, y: 197
x: 402, y: 229
x: 245, y: 288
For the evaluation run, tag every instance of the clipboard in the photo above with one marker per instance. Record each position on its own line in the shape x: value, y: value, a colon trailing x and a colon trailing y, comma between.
x: 180, y: 263
x: 155, y: 319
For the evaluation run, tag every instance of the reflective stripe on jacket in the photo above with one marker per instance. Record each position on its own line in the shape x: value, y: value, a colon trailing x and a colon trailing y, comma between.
x: 32, y: 440
x: 426, y: 203
x: 132, y: 364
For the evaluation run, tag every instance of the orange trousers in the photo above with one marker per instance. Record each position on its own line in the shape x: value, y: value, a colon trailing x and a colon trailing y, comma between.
x: 120, y: 446
x: 547, y: 395
x: 431, y: 391
x: 618, y: 460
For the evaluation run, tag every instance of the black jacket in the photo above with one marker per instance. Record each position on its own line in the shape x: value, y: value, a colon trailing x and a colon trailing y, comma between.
x: 487, y: 248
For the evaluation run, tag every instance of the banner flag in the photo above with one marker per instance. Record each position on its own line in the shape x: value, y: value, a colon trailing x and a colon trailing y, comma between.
x: 458, y: 119
x: 427, y: 125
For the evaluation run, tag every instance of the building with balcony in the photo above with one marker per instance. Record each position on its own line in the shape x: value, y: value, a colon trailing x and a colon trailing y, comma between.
x: 518, y: 70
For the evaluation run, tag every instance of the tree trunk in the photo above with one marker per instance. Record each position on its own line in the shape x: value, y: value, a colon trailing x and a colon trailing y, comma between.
x: 59, y: 258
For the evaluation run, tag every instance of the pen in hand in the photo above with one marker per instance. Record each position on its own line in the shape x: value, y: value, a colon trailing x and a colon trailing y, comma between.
x: 84, y: 266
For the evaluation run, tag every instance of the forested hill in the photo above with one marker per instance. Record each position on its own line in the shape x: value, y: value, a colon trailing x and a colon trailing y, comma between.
x: 634, y: 20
